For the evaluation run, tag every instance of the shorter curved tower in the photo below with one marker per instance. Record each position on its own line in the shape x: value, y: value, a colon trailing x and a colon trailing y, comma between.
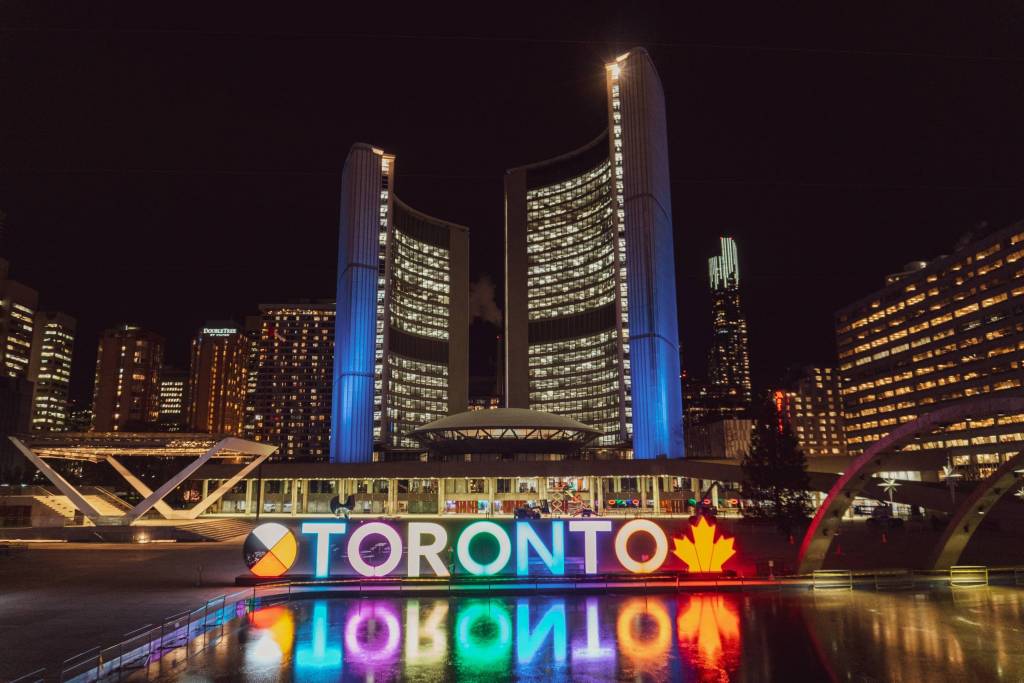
x: 401, y: 334
x: 590, y: 294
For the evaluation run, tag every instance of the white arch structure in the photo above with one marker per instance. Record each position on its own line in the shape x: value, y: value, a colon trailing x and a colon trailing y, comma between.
x: 876, y: 458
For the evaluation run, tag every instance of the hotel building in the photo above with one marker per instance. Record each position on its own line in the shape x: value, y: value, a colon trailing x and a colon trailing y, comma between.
x: 50, y: 370
x: 729, y: 356
x: 939, y: 332
x: 812, y: 407
x: 402, y: 332
x: 291, y: 395
x: 126, y: 394
x: 590, y: 292
x: 217, y: 379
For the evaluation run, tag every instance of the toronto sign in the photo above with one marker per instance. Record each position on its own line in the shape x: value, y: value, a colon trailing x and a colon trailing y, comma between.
x: 323, y: 549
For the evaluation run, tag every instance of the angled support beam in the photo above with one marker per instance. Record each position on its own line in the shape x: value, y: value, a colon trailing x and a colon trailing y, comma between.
x: 62, y: 484
x: 972, y: 512
x: 201, y: 507
x: 230, y: 443
x: 137, y: 484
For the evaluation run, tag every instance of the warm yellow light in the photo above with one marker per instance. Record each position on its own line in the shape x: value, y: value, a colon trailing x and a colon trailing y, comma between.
x: 615, y: 70
x: 705, y: 553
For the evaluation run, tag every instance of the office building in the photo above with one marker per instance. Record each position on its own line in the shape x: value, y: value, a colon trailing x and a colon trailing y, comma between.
x: 812, y: 407
x: 939, y: 332
x: 591, y: 328
x: 402, y: 356
x: 218, y: 379
x: 15, y: 418
x: 291, y: 397
x: 729, y: 357
x: 697, y: 416
x: 50, y: 370
x: 18, y: 306
x: 174, y: 400
x: 126, y: 393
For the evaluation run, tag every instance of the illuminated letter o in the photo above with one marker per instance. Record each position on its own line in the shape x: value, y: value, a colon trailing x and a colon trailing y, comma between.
x: 356, y: 540
x: 504, y: 548
x: 660, y: 546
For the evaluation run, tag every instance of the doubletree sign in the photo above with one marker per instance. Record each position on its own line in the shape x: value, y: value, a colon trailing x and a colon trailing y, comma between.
x: 325, y: 548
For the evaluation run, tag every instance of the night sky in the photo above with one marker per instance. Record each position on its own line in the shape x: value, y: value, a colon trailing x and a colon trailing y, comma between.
x: 170, y: 169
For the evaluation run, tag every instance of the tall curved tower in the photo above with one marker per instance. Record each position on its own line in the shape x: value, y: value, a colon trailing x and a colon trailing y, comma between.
x: 590, y: 291
x: 401, y: 333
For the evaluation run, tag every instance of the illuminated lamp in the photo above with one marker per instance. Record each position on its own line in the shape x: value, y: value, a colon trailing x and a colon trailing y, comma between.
x: 431, y: 552
x: 554, y: 558
x: 355, y: 542
x: 323, y: 532
x: 660, y: 546
x: 471, y: 532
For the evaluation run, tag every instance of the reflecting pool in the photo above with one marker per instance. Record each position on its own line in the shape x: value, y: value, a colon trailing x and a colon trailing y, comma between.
x: 756, y: 636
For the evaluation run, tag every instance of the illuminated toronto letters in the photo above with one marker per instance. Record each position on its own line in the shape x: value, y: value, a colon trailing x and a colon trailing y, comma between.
x: 590, y: 528
x: 429, y: 552
x: 504, y: 548
x: 378, y: 549
x: 553, y: 558
x: 660, y: 546
x: 355, y: 546
x: 322, y: 531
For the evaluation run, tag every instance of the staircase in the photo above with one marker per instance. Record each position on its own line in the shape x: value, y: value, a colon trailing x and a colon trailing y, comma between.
x: 63, y: 506
x: 218, y: 529
x: 59, y: 504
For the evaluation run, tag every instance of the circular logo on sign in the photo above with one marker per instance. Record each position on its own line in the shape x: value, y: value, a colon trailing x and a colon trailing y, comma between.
x: 270, y: 550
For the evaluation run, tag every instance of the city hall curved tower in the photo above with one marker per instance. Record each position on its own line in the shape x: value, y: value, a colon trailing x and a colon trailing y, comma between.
x: 590, y: 291
x: 401, y: 333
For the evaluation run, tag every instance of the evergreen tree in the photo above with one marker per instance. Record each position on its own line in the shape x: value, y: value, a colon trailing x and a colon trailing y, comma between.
x: 775, y: 475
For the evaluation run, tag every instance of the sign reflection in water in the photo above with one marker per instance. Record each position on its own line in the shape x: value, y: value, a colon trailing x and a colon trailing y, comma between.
x: 704, y: 636
x: 587, y: 636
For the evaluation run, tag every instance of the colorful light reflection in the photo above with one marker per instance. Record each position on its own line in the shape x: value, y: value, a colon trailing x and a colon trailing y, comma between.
x: 483, y: 636
x: 709, y: 631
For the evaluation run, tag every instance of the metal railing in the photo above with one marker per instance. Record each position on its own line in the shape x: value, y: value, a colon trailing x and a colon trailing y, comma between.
x: 151, y: 648
x: 968, y: 576
x: 832, y: 579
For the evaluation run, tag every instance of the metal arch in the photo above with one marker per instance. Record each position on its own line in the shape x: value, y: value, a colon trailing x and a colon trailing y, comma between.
x: 972, y: 512
x: 825, y: 524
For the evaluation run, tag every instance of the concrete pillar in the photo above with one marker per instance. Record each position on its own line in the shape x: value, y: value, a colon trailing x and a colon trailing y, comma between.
x: 392, y: 497
x: 656, y: 484
x: 642, y: 485
x: 440, y: 496
x: 491, y: 485
x: 294, y: 485
x: 250, y: 509
x: 305, y: 496
x: 714, y: 496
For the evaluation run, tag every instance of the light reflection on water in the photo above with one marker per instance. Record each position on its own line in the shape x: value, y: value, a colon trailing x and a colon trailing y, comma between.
x: 695, y: 636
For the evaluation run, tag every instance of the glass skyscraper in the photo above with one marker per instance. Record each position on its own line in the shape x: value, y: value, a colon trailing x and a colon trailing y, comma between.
x: 729, y: 357
x: 401, y: 354
x: 590, y: 292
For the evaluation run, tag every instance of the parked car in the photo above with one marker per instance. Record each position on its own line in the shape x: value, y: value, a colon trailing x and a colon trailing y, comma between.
x: 527, y: 512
